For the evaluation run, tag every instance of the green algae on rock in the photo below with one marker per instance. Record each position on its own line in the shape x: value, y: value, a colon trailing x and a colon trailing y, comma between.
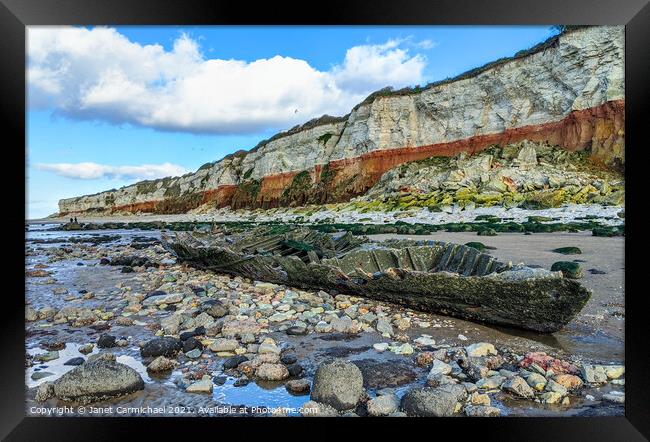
x: 568, y: 268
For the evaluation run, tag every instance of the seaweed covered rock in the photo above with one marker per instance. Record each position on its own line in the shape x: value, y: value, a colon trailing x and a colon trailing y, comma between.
x: 165, y: 346
x: 568, y: 250
x: 568, y: 268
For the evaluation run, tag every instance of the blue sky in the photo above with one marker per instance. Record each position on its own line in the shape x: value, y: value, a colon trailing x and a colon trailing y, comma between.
x: 111, y: 106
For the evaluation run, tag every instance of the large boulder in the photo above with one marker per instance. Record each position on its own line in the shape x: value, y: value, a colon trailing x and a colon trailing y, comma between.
x: 97, y: 380
x: 338, y: 383
x: 165, y: 346
x: 429, y: 402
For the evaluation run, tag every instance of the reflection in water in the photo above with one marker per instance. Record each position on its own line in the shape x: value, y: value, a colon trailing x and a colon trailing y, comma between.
x: 271, y: 395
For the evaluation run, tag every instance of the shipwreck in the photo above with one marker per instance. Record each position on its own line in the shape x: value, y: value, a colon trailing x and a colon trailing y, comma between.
x: 432, y: 276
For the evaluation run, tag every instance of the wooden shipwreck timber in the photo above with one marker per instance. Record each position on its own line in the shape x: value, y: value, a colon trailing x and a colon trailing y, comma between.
x: 431, y: 276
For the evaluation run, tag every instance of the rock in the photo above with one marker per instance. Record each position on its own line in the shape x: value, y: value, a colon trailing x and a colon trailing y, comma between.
x: 482, y: 411
x: 383, y: 405
x: 519, y: 387
x: 593, y: 374
x: 480, y: 399
x: 97, y: 380
x: 547, y: 363
x: 193, y: 354
x: 553, y: 386
x: 40, y: 375
x: 338, y: 383
x: 46, y: 357
x: 192, y: 344
x: 75, y: 361
x: 215, y: 308
x: 298, y: 386
x: 537, y: 381
x: 30, y: 314
x: 164, y: 346
x: 316, y: 409
x: 272, y: 372
x: 223, y: 345
x: 171, y: 324
x: 614, y: 371
x: 480, y: 349
x: 288, y: 359
x: 44, y: 392
x: 106, y: 341
x: 296, y: 331
x: 384, y: 327
x: 294, y: 369
x: 322, y: 327
x: 551, y: 397
x: 424, y: 359
x: 268, y: 346
x: 428, y: 402
x: 342, y: 325
x: 280, y: 317
x: 404, y: 349
x: 234, y: 328
x: 527, y: 157
x: 234, y: 362
x: 439, y: 367
x: 161, y: 364
x: 202, y: 386
x: 381, y: 346
x: 568, y: 381
x: 170, y: 298
x: 425, y: 341
x: 617, y: 397
x: 87, y: 348
x: 568, y: 250
x: 491, y: 383
x: 569, y: 269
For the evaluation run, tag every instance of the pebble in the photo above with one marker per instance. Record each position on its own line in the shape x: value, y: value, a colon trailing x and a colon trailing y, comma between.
x: 383, y: 405
x: 202, y: 386
x: 298, y: 386
x: 480, y: 349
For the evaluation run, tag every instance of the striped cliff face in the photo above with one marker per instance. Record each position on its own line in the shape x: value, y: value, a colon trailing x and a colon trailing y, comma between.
x: 568, y: 92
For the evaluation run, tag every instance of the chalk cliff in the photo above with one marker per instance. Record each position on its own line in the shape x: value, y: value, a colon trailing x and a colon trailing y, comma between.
x: 567, y: 92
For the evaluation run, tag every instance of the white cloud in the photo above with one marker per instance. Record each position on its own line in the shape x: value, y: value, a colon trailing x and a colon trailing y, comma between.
x: 91, y: 171
x: 100, y: 74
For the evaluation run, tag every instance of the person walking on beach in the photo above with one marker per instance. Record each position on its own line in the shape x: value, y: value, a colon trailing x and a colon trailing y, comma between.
x: 75, y: 220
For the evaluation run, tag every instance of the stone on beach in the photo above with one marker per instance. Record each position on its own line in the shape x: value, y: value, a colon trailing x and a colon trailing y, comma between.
x: 161, y: 364
x: 97, y: 380
x: 272, y: 372
x: 480, y: 349
x: 519, y: 387
x: 383, y: 405
x: 164, y: 346
x: 428, y: 402
x: 338, y: 383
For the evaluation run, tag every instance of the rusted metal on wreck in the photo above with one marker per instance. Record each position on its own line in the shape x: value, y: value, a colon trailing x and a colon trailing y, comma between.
x: 431, y: 276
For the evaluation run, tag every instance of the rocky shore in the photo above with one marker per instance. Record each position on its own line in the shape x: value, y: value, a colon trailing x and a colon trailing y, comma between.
x: 133, y: 325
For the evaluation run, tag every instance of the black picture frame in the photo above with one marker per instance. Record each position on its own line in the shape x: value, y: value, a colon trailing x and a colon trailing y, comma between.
x: 15, y: 15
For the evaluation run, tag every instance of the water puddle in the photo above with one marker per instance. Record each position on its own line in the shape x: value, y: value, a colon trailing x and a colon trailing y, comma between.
x: 270, y: 396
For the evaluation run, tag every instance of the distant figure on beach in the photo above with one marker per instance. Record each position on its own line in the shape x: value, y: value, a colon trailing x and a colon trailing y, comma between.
x: 75, y: 220
x: 71, y: 220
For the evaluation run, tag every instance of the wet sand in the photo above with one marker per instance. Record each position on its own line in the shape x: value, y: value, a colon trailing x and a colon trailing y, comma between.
x: 598, y: 330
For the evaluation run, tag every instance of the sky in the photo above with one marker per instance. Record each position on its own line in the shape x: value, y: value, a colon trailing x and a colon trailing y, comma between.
x: 110, y: 106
